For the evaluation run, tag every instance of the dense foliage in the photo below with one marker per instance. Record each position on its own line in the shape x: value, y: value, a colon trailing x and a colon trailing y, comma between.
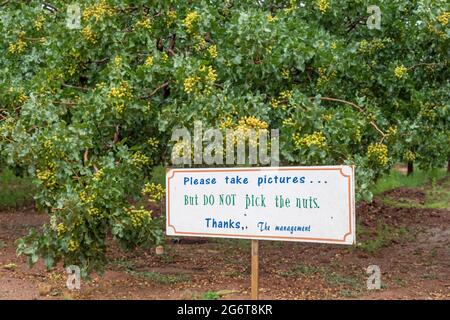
x: 88, y: 112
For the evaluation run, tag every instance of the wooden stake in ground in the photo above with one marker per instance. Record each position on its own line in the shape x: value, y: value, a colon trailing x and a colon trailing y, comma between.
x: 255, y: 269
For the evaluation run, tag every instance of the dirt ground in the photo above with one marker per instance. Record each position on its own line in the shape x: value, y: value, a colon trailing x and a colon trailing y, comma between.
x: 410, y: 245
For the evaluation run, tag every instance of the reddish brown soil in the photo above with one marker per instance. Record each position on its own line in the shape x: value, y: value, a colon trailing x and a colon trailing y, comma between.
x: 414, y: 265
x: 407, y: 195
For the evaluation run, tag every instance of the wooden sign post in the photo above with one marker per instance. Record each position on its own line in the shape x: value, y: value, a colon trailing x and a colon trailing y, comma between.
x: 255, y: 269
x: 306, y: 204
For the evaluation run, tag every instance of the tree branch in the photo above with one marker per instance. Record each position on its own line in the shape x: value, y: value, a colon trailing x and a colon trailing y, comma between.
x: 66, y: 103
x: 423, y: 64
x: 361, y: 110
x: 353, y: 24
x: 172, y: 45
x: 101, y: 60
x: 116, y: 135
x: 86, y: 156
x: 342, y: 101
x: 74, y: 87
x: 162, y: 86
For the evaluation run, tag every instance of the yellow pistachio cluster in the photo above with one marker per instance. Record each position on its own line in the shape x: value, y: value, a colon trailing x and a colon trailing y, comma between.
x: 373, y: 45
x: 140, y: 159
x: 190, y: 83
x: 100, y: 85
x: 315, y: 139
x: 271, y: 18
x: 226, y: 123
x: 289, y: 122
x: 85, y: 198
x: 72, y: 70
x: 211, y: 75
x: 324, y: 77
x: 285, y: 73
x: 6, y: 127
x: 391, y: 131
x: 119, y: 107
x: 171, y: 17
x: 286, y: 94
x: 443, y: 18
x: 123, y: 91
x: 427, y: 110
x: 149, y: 61
x: 60, y: 229
x: 39, y: 22
x: 153, y: 142
x: 118, y: 61
x: 212, y: 50
x: 358, y: 135
x: 89, y: 35
x: 282, y: 99
x: 19, y: 94
x: 400, y: 71
x: 98, y: 11
x: 244, y: 127
x: 137, y: 216
x: 47, y: 176
x: 98, y: 175
x: 252, y: 122
x: 154, y: 191
x: 378, y: 152
x: 326, y: 117
x: 205, y: 79
x: 274, y: 103
x: 49, y: 149
x: 409, y: 156
x: 323, y: 5
x: 292, y: 6
x: 22, y: 98
x: 190, y: 21
x: 73, y: 245
x: 201, y: 42
x: 17, y: 47
x: 93, y: 212
x: 144, y: 23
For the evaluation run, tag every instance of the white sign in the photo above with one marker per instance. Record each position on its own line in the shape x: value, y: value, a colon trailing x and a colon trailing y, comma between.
x: 309, y: 204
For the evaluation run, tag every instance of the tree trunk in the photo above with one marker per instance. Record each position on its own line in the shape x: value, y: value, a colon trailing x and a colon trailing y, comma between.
x: 448, y: 166
x: 410, y: 168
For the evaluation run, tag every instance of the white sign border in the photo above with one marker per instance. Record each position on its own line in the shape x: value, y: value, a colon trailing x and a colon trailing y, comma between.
x: 170, y: 173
